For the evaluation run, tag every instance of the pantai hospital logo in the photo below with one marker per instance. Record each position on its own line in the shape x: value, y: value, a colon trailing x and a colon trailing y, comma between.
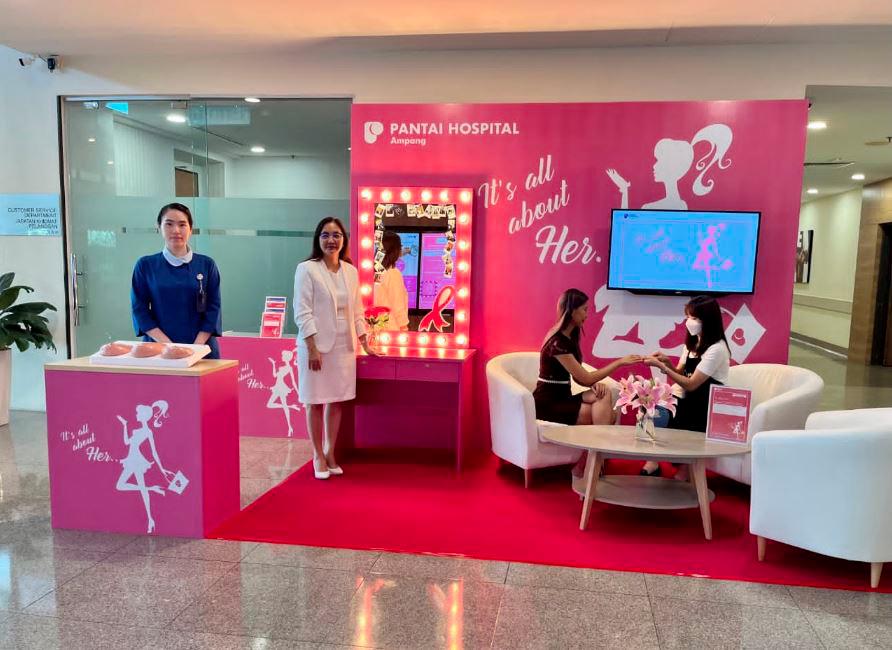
x: 418, y: 133
x: 371, y: 131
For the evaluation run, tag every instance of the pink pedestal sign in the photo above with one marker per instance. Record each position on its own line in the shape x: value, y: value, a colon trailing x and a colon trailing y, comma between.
x: 269, y: 405
x: 143, y: 450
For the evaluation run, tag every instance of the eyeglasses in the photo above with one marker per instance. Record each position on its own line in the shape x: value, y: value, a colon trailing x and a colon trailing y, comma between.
x: 331, y: 235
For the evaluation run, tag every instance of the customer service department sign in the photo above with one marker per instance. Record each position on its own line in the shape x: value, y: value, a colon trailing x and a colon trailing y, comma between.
x: 30, y: 215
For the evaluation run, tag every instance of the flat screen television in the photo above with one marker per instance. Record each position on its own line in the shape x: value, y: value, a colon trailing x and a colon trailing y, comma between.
x: 422, y: 265
x: 680, y: 252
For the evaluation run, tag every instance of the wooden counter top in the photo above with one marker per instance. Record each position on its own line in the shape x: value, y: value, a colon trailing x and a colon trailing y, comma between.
x: 82, y: 364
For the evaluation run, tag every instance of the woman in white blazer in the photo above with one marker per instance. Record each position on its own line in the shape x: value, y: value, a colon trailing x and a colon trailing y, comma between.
x: 329, y: 316
x: 390, y: 289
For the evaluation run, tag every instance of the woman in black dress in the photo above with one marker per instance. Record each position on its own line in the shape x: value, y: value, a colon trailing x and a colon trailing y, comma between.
x: 560, y: 359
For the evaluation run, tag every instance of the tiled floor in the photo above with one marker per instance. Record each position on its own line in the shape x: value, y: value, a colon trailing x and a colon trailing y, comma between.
x: 68, y: 589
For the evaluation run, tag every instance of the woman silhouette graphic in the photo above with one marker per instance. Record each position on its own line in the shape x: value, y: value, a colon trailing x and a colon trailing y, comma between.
x: 135, y: 465
x: 673, y: 161
x: 279, y: 392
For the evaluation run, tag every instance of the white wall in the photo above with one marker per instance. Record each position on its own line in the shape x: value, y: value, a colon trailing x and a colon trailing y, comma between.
x: 822, y: 309
x: 144, y: 163
x: 303, y: 177
x: 28, y: 101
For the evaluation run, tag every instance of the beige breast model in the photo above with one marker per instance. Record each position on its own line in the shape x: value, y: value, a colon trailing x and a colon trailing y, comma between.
x: 175, y: 352
x: 144, y: 350
x: 114, y: 349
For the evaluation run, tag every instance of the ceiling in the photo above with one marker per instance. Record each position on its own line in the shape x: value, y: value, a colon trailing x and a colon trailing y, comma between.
x: 284, y: 127
x: 106, y: 27
x: 853, y: 116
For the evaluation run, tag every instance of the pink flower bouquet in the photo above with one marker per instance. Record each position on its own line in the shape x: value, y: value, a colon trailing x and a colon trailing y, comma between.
x: 645, y: 395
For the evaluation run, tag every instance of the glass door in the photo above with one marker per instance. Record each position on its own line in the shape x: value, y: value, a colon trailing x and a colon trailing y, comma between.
x: 257, y: 177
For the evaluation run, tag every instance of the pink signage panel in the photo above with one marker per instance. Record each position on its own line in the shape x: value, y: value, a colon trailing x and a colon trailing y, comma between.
x: 269, y: 405
x: 546, y: 177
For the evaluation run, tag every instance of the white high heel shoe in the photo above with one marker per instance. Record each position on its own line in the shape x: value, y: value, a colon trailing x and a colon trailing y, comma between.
x: 321, y: 474
x: 333, y: 470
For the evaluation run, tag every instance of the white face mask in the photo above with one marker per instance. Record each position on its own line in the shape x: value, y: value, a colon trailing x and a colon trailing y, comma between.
x: 694, y: 326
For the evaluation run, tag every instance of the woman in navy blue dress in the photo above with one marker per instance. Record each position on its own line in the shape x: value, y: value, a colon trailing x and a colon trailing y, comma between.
x: 175, y: 294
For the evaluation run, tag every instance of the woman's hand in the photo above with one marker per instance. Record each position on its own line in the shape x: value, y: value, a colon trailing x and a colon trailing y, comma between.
x: 655, y: 362
x: 621, y: 183
x: 662, y: 357
x: 314, y: 358
x: 365, y: 346
x: 600, y: 390
x: 631, y: 359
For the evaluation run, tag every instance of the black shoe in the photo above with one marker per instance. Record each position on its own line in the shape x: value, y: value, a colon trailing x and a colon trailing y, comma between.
x: 657, y: 472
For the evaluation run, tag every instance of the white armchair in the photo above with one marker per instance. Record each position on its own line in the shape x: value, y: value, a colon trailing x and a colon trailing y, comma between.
x: 783, y: 397
x: 827, y: 489
x: 511, y: 379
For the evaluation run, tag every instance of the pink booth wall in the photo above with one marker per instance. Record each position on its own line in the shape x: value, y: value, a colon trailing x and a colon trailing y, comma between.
x: 545, y: 185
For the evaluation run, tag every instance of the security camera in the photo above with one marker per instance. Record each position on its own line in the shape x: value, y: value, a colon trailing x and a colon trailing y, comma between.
x: 52, y: 62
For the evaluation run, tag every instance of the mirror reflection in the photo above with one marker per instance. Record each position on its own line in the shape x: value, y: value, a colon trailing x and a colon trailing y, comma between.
x: 415, y: 263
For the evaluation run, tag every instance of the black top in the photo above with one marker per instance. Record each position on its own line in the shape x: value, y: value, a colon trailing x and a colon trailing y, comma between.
x: 549, y: 367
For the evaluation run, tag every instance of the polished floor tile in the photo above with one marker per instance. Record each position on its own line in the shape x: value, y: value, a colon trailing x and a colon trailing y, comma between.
x: 252, y: 489
x: 213, y: 550
x: 406, y: 612
x: 719, y: 591
x: 341, y: 559
x: 537, y: 575
x: 32, y: 572
x: 551, y: 618
x: 699, y: 624
x: 276, y: 601
x: 132, y: 590
x: 838, y: 601
x: 434, y: 566
x: 842, y: 631
x: 46, y: 633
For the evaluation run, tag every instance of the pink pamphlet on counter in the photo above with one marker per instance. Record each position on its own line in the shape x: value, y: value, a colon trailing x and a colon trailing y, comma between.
x: 729, y: 414
x: 275, y: 303
x: 271, y: 324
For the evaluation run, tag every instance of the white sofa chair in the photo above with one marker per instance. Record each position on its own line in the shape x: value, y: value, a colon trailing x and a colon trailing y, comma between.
x: 827, y: 489
x: 511, y: 379
x: 782, y: 398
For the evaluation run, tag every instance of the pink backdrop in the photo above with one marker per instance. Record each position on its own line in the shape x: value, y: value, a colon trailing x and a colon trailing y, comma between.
x: 544, y: 196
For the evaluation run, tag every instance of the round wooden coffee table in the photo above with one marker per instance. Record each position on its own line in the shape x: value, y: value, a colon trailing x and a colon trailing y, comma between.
x: 618, y: 441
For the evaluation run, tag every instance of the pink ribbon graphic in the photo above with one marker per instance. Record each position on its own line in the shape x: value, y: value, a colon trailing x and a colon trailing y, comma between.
x: 434, y: 318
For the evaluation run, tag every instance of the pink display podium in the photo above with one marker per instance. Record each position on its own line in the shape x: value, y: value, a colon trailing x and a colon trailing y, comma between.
x: 413, y: 398
x: 143, y: 450
x: 269, y: 405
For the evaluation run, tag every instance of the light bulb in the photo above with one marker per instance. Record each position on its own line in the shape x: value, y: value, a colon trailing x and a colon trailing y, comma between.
x: 406, y: 195
x: 463, y: 244
x: 403, y: 338
x: 461, y: 316
x: 423, y: 339
x: 444, y: 196
x: 364, y: 217
x: 463, y: 266
x: 426, y: 195
x: 366, y: 289
x: 465, y: 196
x: 366, y: 242
x: 366, y: 194
x: 441, y: 340
x: 464, y: 218
x: 463, y: 292
x: 461, y: 339
x: 367, y: 264
x: 386, y: 195
x: 385, y: 338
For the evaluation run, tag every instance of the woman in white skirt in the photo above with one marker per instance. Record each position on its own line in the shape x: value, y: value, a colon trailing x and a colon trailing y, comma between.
x: 329, y: 315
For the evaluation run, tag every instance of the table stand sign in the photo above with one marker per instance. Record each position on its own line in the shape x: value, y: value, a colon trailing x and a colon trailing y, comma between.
x: 729, y: 414
x: 272, y: 322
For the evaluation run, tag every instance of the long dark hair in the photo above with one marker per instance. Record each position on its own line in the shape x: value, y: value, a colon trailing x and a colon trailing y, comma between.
x: 708, y: 311
x: 570, y: 301
x: 179, y: 207
x: 392, y: 246
x: 317, y: 253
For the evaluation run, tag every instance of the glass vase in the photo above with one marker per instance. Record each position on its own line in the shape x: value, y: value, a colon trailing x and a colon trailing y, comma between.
x: 644, y: 428
x: 372, y: 338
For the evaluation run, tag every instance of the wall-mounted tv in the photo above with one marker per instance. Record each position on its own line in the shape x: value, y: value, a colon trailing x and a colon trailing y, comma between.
x: 683, y: 252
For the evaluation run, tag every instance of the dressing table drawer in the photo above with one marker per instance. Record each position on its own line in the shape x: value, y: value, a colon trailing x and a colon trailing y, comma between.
x: 375, y: 368
x: 428, y: 371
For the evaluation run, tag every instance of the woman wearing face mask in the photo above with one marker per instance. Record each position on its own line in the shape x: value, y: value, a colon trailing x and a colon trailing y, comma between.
x: 559, y: 359
x: 705, y: 361
x: 329, y: 316
x: 175, y: 294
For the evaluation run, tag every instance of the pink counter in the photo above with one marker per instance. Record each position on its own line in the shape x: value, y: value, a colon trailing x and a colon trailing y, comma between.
x: 267, y: 385
x: 411, y: 398
x: 143, y: 450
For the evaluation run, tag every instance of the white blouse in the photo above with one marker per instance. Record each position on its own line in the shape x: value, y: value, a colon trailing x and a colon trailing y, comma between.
x: 390, y: 292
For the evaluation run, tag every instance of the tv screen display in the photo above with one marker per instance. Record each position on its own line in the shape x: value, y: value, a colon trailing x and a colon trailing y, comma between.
x: 408, y: 264
x: 683, y: 252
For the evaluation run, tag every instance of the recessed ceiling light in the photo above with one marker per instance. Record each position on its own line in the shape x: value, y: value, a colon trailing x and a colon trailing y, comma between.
x: 812, y: 190
x: 176, y: 118
x: 857, y: 177
x: 110, y: 162
x: 91, y: 139
x: 817, y: 125
x: 252, y: 100
x: 257, y: 149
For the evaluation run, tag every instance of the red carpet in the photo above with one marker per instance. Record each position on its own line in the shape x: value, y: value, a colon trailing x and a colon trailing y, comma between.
x: 487, y: 514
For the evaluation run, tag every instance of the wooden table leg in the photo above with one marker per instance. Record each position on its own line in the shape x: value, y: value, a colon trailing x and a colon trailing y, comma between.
x: 698, y: 474
x: 592, y: 472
